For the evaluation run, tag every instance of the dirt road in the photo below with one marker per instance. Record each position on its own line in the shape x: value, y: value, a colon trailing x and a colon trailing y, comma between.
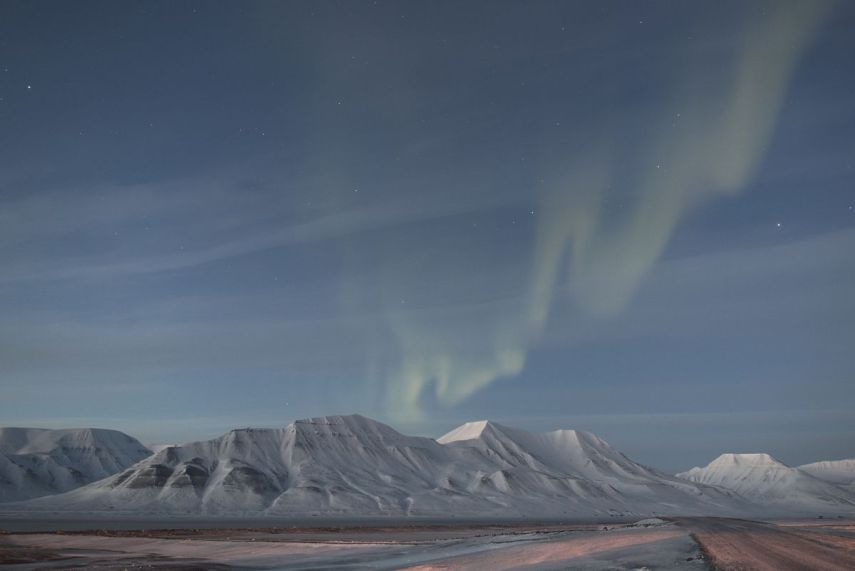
x: 733, y: 544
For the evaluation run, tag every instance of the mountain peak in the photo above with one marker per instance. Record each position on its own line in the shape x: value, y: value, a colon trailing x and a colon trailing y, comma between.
x: 763, y: 479
x: 337, y: 419
x: 468, y: 431
x: 353, y: 427
x: 747, y: 460
x: 351, y: 422
x: 20, y: 440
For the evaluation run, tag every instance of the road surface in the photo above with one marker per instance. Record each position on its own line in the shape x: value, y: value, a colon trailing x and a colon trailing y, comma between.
x: 733, y: 544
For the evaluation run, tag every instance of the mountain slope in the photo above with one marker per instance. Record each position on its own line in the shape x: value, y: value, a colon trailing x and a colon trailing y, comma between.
x: 36, y: 461
x: 351, y: 465
x: 347, y: 464
x: 840, y: 472
x: 768, y: 482
x: 582, y: 472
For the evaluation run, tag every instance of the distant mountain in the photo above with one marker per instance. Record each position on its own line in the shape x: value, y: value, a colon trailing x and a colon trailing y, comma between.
x: 37, y: 462
x: 765, y: 481
x: 841, y: 472
x: 351, y: 465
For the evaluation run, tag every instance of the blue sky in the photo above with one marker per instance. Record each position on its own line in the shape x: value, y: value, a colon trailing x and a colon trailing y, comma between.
x: 635, y: 219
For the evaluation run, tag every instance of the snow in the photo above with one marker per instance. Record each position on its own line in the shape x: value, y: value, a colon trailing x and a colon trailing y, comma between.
x: 155, y: 448
x: 466, y: 431
x: 762, y: 479
x: 834, y: 471
x: 346, y: 465
x: 37, y: 461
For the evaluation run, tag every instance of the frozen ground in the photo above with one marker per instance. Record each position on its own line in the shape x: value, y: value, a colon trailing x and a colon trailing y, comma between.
x: 655, y: 545
x: 687, y: 543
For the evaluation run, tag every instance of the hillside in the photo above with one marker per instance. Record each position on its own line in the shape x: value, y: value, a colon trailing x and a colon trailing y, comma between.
x: 36, y: 462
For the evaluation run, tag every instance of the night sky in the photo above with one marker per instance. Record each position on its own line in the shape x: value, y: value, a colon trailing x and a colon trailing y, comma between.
x: 634, y: 218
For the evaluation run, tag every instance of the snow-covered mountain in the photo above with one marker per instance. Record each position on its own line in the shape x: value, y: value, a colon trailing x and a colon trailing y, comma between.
x: 354, y: 466
x: 578, y: 471
x: 321, y: 465
x: 351, y: 465
x: 36, y: 461
x: 841, y: 472
x: 765, y: 481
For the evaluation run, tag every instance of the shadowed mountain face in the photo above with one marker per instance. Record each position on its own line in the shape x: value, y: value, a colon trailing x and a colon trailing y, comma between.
x: 351, y: 465
x: 36, y: 462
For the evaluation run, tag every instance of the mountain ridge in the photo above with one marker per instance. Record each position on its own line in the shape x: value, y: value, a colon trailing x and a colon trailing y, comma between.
x: 341, y: 465
x: 353, y: 465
